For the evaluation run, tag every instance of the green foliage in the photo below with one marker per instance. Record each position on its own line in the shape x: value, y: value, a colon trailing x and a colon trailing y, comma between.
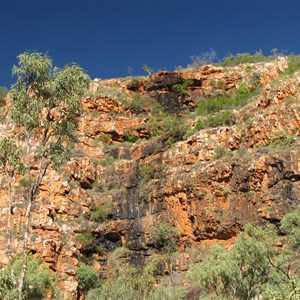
x: 147, y: 172
x: 255, y: 266
x: 294, y: 64
x: 182, y: 89
x: 255, y: 79
x: 153, y: 267
x: 163, y: 238
x: 46, y: 102
x: 125, y: 283
x: 219, y: 111
x: 10, y: 157
x: 87, y: 278
x: 38, y: 282
x: 281, y: 140
x: 101, y: 213
x: 138, y: 103
x: 93, y: 294
x: 7, y: 288
x: 133, y: 84
x: 86, y: 239
x: 221, y: 152
x: 217, y: 83
x: 129, y: 136
x: 221, y: 118
x: 242, y: 58
x: 40, y: 86
x: 239, y: 99
x: 107, y: 161
x: 290, y: 225
x: 105, y: 137
x: 171, y: 126
x: 168, y: 293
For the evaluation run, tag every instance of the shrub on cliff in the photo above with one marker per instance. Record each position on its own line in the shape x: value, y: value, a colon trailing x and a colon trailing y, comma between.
x: 294, y: 64
x: 87, y: 279
x: 239, y: 99
x: 86, y: 239
x: 170, y: 126
x: 242, y: 58
x: 163, y: 238
x: 256, y: 266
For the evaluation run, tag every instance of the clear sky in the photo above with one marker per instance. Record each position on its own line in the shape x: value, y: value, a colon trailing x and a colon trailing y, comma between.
x: 114, y: 38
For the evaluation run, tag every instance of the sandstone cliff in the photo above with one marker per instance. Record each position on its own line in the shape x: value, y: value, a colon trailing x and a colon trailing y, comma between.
x: 128, y: 173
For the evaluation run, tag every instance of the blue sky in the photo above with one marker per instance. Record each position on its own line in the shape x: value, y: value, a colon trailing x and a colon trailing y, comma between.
x: 113, y: 38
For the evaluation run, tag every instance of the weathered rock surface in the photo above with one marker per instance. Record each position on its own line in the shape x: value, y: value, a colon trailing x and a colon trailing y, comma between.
x: 207, y: 186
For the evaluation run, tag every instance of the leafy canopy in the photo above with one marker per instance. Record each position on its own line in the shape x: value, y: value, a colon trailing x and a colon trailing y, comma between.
x: 46, y: 101
x: 10, y: 157
x: 44, y: 95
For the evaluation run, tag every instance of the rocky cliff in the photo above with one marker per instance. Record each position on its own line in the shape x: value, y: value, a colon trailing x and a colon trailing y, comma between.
x: 147, y: 155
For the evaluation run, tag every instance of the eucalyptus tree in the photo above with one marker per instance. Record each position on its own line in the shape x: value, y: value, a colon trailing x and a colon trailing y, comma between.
x: 45, y: 106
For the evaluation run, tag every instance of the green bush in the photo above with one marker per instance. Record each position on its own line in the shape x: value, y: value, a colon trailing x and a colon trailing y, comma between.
x: 238, y: 100
x: 163, y: 238
x: 107, y: 161
x: 241, y: 58
x: 294, y: 64
x: 218, y: 111
x: 134, y: 84
x: 255, y: 79
x: 38, y: 283
x: 138, y: 103
x: 87, y: 278
x: 86, y: 239
x: 129, y: 136
x: 93, y: 294
x: 221, y: 152
x: 221, y: 118
x: 99, y: 214
x: 255, y: 267
x: 8, y: 291
x: 290, y: 225
x: 126, y: 283
x: 182, y: 88
x: 170, y: 126
x: 147, y: 172
x: 105, y: 137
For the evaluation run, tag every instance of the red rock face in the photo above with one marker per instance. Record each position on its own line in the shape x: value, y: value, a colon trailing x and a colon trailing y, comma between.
x: 207, y: 186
